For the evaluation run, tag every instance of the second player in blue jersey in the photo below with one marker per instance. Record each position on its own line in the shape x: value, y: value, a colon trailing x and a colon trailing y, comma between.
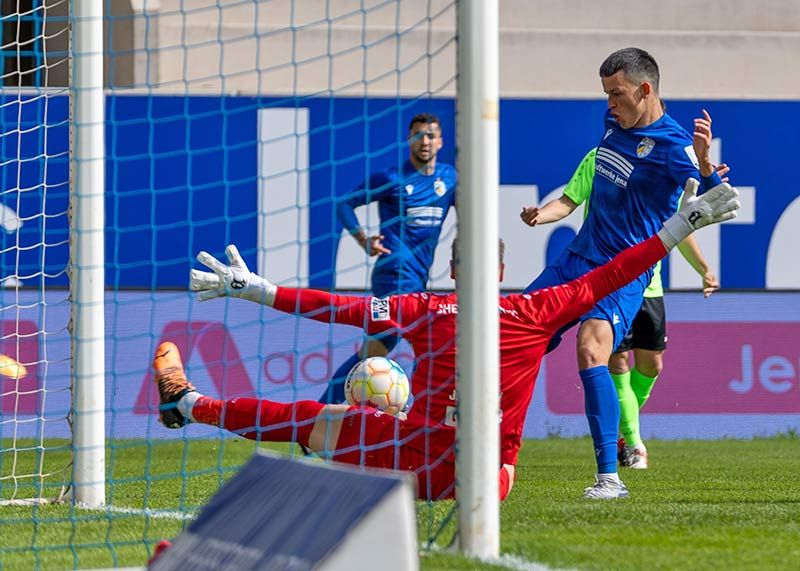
x: 413, y: 202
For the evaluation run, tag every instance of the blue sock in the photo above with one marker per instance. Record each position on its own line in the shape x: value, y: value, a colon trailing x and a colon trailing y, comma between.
x: 602, y: 412
x: 334, y: 392
x: 390, y: 342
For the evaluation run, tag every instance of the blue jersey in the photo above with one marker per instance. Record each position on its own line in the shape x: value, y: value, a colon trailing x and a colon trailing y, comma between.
x: 639, y: 178
x: 412, y: 207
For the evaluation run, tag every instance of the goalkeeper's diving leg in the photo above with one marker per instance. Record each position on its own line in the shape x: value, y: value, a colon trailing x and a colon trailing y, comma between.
x: 309, y: 423
x: 342, y: 433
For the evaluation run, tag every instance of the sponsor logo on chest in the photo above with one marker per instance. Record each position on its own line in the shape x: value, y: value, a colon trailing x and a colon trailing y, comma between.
x: 424, y: 215
x: 452, y: 309
x: 613, y: 166
x: 447, y: 309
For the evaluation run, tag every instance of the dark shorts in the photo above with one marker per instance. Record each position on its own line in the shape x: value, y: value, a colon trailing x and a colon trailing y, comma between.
x: 649, y: 329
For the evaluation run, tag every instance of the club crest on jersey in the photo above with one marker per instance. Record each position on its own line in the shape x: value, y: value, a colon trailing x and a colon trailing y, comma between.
x: 608, y: 133
x: 380, y: 309
x: 645, y: 147
x: 439, y: 187
x: 409, y: 188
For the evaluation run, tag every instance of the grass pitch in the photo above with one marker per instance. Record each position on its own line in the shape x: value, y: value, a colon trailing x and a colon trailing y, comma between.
x: 702, y: 505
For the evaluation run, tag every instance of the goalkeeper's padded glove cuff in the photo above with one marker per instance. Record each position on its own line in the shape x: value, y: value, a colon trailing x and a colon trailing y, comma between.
x: 259, y: 290
x: 675, y: 230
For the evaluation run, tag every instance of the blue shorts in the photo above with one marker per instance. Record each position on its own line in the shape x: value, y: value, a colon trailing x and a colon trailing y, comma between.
x: 618, y: 308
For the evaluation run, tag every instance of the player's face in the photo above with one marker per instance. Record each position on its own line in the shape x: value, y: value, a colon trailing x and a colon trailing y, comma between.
x: 425, y: 140
x: 625, y: 99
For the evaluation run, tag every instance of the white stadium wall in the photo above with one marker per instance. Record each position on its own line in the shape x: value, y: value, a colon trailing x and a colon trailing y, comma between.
x: 721, y: 49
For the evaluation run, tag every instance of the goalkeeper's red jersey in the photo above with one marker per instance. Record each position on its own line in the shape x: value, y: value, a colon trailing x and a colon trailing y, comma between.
x: 428, y: 322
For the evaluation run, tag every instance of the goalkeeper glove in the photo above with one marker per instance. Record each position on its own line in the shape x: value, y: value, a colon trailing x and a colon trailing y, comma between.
x: 234, y: 280
x: 717, y: 205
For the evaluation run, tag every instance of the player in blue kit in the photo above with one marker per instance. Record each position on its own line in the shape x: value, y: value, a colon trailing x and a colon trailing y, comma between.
x: 642, y: 164
x: 648, y: 334
x: 413, y: 202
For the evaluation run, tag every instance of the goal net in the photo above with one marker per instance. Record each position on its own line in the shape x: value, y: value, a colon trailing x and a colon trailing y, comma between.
x: 226, y: 121
x: 35, y: 340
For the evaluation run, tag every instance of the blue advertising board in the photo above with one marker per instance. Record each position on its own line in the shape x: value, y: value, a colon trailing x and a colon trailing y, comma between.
x: 183, y: 174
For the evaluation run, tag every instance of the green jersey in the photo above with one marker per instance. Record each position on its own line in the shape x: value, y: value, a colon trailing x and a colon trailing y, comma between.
x: 579, y: 190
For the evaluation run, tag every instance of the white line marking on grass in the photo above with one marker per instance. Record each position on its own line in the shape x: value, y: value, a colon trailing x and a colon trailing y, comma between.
x: 145, y: 512
x: 517, y: 563
x: 507, y: 560
x: 27, y: 502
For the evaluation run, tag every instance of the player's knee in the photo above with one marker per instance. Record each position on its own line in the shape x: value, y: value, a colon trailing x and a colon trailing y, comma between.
x: 618, y: 364
x: 595, y: 344
x: 650, y: 369
x: 649, y: 363
x: 592, y: 354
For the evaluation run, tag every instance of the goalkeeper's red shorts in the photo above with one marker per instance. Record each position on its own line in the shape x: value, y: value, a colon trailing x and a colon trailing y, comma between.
x: 371, y: 438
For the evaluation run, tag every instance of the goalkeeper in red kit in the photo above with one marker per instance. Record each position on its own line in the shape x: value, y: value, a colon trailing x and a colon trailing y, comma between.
x: 423, y: 442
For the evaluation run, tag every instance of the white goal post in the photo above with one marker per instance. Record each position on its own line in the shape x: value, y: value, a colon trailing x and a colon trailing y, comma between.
x: 478, y: 453
x: 87, y: 251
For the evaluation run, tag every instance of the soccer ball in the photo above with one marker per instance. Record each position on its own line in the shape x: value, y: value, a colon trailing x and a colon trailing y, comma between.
x: 377, y: 382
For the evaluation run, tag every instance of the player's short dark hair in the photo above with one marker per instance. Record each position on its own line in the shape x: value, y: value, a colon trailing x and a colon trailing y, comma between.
x: 637, y: 64
x: 427, y: 118
x: 501, y: 249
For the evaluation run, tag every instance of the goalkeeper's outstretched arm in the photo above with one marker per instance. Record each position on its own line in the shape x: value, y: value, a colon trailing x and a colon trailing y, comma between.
x: 236, y: 280
x: 577, y: 297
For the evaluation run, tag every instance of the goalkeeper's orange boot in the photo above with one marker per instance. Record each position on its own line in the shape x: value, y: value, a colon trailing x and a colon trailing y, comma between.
x: 172, y: 384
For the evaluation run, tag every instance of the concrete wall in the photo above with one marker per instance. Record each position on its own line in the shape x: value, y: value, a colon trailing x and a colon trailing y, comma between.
x: 549, y: 48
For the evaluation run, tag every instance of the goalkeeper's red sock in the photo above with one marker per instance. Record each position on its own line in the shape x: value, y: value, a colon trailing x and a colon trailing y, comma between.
x: 260, y: 419
x: 506, y: 480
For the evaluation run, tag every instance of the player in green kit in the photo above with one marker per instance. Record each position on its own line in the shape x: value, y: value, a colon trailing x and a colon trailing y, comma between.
x: 647, y: 336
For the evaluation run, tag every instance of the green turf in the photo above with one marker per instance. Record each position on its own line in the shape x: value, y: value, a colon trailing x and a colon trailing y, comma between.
x: 702, y: 505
